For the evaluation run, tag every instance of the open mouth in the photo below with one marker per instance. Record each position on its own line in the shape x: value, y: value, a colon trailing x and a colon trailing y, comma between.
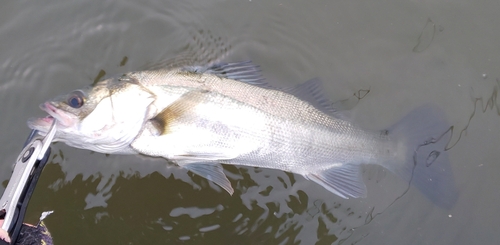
x: 43, y: 124
x: 48, y: 119
x: 61, y: 116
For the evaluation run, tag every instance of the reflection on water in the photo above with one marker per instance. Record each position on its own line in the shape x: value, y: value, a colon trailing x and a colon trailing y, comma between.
x: 146, y: 202
x: 267, y: 207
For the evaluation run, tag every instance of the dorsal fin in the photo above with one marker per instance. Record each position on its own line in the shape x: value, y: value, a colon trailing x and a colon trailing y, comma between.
x: 199, y: 48
x: 311, y: 91
x: 244, y: 71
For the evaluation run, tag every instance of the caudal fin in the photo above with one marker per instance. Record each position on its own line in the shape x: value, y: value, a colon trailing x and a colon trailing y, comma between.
x: 425, y: 132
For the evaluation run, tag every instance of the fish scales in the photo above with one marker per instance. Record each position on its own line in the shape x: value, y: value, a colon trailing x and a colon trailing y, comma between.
x: 200, y: 117
x: 292, y: 137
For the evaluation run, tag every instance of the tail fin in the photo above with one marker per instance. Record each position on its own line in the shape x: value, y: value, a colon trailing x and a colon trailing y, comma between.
x: 426, y: 134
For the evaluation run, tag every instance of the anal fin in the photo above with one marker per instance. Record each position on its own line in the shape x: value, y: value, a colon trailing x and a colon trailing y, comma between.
x: 345, y: 180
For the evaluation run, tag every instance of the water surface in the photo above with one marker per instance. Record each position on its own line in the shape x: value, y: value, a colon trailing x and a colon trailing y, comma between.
x: 406, y: 53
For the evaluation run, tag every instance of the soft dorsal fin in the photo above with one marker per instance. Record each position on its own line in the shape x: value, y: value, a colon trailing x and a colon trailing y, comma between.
x: 244, y: 71
x: 311, y: 91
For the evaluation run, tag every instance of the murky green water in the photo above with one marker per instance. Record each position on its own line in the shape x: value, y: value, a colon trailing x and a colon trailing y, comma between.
x: 406, y: 53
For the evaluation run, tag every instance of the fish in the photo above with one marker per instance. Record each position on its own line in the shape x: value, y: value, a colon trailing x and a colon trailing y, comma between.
x: 201, y: 117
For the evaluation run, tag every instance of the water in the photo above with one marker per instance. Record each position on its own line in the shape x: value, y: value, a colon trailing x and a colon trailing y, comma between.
x: 406, y: 53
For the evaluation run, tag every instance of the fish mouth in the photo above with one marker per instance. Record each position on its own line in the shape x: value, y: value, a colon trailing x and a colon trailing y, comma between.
x: 43, y: 124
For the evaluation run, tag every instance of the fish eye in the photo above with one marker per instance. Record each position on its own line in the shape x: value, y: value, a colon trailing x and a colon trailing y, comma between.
x: 76, y: 99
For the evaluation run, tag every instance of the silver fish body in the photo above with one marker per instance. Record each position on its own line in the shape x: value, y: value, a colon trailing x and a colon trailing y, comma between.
x: 258, y: 127
x: 200, y: 117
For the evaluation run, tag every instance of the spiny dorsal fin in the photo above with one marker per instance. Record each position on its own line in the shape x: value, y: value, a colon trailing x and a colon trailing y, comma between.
x: 244, y: 71
x: 202, y: 48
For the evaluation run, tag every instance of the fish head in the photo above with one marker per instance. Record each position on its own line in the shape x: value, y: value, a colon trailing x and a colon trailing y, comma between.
x: 105, y: 117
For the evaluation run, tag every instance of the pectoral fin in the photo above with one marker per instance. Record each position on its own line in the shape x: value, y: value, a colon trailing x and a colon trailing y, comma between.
x: 183, y: 108
x: 345, y: 180
x: 212, y: 172
x: 178, y: 132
